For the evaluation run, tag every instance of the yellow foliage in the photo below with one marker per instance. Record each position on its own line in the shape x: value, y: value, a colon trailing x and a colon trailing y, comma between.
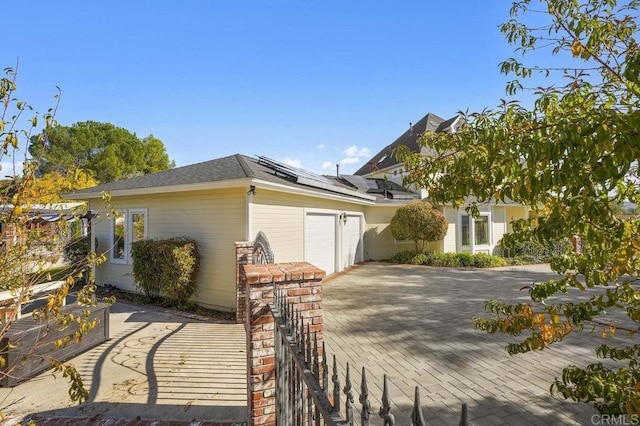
x: 47, y: 188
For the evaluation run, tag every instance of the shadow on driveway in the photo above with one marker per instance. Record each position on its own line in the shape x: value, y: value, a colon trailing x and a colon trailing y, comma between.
x: 157, y: 365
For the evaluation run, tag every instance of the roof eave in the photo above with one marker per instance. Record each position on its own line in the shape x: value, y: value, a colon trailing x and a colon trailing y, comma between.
x: 232, y: 183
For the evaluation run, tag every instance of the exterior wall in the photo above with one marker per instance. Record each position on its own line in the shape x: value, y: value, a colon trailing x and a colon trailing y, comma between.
x: 379, y: 243
x: 514, y: 213
x: 498, y: 226
x: 450, y: 240
x: 280, y: 216
x: 215, y: 218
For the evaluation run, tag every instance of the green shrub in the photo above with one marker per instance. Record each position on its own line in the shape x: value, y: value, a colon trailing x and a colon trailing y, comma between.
x: 403, y: 257
x: 420, y: 259
x: 533, y: 251
x: 483, y: 260
x: 76, y: 251
x: 166, y: 267
x: 466, y: 259
x: 419, y: 222
x: 451, y: 260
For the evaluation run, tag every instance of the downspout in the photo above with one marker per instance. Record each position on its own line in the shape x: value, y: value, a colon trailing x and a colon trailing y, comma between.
x: 249, y: 211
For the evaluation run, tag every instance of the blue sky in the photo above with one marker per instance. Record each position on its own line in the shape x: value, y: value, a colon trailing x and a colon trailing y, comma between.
x: 312, y: 83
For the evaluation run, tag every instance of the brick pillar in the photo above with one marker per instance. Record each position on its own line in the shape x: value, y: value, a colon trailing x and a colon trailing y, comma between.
x: 244, y: 256
x: 302, y: 284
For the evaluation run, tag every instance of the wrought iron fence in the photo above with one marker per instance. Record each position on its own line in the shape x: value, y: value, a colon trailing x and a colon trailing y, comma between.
x: 303, y: 394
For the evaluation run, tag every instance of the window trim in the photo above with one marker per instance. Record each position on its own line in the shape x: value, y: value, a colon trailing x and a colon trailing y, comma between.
x: 128, y: 233
x: 472, y: 246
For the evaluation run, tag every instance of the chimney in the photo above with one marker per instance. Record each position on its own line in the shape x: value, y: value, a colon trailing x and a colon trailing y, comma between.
x: 410, y: 129
x: 338, y: 171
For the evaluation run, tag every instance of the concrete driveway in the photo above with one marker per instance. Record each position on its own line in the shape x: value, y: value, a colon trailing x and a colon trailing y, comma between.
x: 414, y: 323
x: 158, y: 365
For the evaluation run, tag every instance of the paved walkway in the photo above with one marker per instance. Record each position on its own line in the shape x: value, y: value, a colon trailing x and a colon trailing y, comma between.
x: 157, y: 366
x: 414, y: 323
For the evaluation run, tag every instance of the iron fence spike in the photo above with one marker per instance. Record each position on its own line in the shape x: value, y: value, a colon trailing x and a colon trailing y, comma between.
x: 316, y: 359
x: 364, y: 400
x: 335, y: 379
x: 464, y: 417
x: 385, y: 409
x: 417, y: 419
x: 325, y: 371
x: 349, y: 397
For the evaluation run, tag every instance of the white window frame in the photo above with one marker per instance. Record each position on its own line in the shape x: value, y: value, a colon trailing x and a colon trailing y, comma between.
x: 128, y: 234
x: 472, y: 246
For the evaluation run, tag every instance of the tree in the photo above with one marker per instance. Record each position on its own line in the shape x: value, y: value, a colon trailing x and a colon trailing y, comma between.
x: 109, y: 152
x: 419, y: 222
x: 22, y: 264
x: 46, y: 189
x: 569, y: 157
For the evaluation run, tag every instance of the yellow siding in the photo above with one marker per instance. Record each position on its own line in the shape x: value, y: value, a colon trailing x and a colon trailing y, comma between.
x: 499, y: 227
x: 449, y: 244
x: 280, y: 216
x: 514, y: 213
x: 379, y: 243
x: 215, y: 218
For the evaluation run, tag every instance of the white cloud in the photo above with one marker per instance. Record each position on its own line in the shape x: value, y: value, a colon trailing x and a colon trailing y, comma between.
x: 293, y: 162
x: 327, y: 164
x: 6, y: 169
x: 354, y: 151
x: 349, y: 160
x: 321, y: 146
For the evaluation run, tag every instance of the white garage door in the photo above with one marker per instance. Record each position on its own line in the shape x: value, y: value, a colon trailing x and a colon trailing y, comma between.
x: 320, y: 241
x: 351, y: 246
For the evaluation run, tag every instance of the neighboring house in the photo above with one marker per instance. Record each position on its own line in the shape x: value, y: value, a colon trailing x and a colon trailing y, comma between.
x: 330, y: 222
x: 467, y: 234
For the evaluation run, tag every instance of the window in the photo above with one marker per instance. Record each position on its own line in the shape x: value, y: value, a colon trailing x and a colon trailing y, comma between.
x: 465, y: 230
x: 481, y: 228
x: 127, y: 227
x: 476, y: 227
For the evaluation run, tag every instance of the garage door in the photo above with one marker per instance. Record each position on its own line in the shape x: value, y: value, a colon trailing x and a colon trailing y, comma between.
x: 351, y: 246
x: 320, y: 241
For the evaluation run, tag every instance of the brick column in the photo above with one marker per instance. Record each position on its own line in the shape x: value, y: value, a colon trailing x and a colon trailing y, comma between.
x: 302, y: 284
x: 244, y: 256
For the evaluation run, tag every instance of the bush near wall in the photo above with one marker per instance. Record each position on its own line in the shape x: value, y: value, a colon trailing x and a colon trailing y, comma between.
x: 166, y: 267
x: 452, y: 260
x: 532, y: 251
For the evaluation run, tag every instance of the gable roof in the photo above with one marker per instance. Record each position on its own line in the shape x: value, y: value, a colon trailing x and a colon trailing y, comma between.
x: 233, y: 171
x: 429, y: 123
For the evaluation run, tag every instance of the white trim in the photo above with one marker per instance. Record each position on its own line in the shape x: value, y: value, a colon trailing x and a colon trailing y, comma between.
x: 128, y: 233
x: 473, y: 247
x: 112, y: 240
x: 249, y: 218
x: 233, y: 183
x: 360, y: 246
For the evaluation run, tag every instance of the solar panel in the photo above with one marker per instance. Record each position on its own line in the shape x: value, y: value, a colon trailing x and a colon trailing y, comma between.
x: 290, y: 171
x: 362, y: 183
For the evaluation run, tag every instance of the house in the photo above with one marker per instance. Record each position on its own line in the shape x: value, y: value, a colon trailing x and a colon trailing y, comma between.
x: 466, y: 234
x: 331, y: 222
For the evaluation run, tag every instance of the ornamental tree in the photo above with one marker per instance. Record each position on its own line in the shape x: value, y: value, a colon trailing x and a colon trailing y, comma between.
x: 419, y: 222
x: 22, y: 261
x: 569, y: 157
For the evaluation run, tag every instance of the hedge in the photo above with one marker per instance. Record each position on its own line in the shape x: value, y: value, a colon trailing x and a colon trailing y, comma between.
x: 454, y: 260
x: 166, y: 267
